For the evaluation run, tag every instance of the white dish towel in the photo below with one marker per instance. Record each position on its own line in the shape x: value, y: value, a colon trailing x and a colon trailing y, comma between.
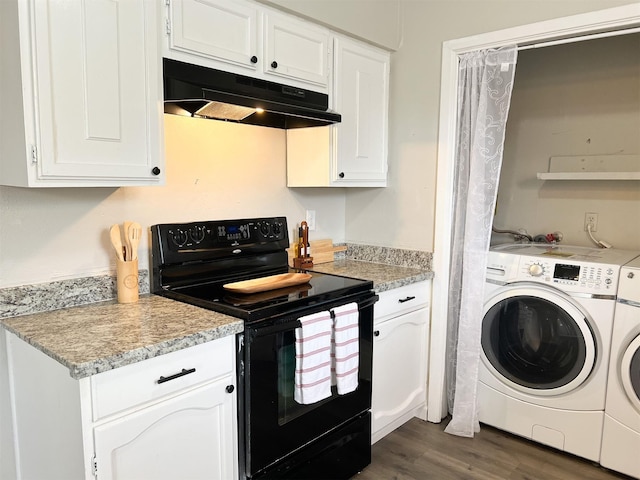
x: 346, y: 347
x: 313, y: 358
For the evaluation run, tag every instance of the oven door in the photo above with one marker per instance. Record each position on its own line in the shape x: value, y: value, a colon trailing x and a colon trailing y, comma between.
x: 274, y: 425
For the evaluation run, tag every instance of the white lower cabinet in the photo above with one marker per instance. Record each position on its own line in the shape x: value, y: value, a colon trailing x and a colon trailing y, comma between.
x: 400, y: 356
x: 188, y: 436
x: 168, y: 417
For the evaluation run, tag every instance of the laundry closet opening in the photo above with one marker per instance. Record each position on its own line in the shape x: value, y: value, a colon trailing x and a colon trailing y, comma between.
x: 609, y: 20
x: 578, y: 104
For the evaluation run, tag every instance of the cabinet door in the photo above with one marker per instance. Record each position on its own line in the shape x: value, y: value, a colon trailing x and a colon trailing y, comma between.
x: 296, y: 49
x: 222, y: 30
x: 361, y: 97
x: 399, y: 367
x: 189, y: 436
x: 98, y: 90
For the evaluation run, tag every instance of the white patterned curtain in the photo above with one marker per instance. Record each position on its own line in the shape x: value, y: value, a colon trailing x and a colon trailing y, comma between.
x: 485, y: 81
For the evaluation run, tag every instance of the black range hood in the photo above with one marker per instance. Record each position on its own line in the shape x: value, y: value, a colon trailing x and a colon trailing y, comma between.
x: 196, y: 91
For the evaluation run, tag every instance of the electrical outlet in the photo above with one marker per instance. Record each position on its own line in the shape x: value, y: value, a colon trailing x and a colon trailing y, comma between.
x: 591, y: 218
x: 311, y: 219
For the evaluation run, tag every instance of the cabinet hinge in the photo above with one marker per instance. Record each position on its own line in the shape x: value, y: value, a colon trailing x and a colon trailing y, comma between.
x: 94, y: 466
x: 167, y: 26
x: 34, y: 154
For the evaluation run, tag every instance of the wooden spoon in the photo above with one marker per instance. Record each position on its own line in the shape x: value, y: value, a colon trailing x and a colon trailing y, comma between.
x: 127, y: 243
x: 133, y: 234
x: 116, y: 241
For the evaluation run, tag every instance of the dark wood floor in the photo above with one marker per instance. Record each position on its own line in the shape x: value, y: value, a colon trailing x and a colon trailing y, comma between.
x: 422, y: 451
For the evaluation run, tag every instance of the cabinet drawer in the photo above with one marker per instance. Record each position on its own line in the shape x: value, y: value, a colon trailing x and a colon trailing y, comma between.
x: 126, y: 387
x: 402, y: 300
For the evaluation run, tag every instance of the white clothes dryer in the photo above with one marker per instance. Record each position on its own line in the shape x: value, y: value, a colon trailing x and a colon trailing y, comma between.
x: 621, y: 435
x: 546, y: 334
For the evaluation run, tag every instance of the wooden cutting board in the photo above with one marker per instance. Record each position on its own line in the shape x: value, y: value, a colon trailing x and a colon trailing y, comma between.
x: 321, y: 250
x: 251, y: 298
x: 271, y: 282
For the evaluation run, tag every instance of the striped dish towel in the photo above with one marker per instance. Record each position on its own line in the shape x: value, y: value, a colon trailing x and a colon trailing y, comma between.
x: 313, y: 358
x: 345, y: 346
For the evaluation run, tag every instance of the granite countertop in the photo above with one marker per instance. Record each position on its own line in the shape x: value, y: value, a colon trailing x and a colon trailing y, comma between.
x: 384, y: 277
x: 102, y: 336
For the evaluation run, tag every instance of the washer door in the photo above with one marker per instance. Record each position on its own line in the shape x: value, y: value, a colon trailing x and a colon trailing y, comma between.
x: 537, y: 340
x: 630, y: 370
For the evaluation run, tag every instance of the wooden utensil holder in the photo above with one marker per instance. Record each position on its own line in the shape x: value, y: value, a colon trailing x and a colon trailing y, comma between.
x: 127, y: 281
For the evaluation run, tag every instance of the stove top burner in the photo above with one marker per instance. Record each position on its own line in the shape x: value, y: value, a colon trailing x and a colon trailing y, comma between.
x: 258, y: 306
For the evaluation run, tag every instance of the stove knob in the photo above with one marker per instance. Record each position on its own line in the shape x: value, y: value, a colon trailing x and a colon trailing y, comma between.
x: 264, y: 228
x: 277, y: 228
x: 536, y: 270
x: 178, y: 237
x: 197, y: 233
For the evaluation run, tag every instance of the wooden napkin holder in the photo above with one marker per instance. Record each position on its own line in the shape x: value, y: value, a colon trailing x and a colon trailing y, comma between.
x: 303, y: 263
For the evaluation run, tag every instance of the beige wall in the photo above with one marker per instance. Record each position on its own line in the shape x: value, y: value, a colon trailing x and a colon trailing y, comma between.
x: 402, y: 215
x: 578, y: 99
x: 376, y: 21
x: 49, y: 234
x: 214, y: 170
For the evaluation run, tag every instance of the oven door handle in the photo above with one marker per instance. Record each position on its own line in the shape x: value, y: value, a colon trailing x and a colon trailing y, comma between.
x: 293, y: 324
x: 283, y: 327
x: 368, y: 302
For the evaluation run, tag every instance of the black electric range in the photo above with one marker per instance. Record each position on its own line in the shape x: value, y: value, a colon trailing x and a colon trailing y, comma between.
x: 278, y: 437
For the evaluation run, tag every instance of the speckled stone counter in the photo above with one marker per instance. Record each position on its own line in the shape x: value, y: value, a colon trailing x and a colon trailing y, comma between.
x: 102, y: 336
x: 89, y: 337
x: 43, y: 297
x: 384, y: 277
x: 390, y: 256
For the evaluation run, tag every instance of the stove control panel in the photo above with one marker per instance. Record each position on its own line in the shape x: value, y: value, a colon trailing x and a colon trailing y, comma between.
x: 184, y: 253
x: 223, y: 233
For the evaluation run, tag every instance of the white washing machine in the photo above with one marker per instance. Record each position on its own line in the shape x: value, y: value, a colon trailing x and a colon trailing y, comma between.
x: 546, y: 334
x: 621, y: 435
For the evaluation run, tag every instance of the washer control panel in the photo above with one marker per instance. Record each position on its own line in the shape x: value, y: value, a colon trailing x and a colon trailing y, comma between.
x: 573, y: 269
x: 586, y: 277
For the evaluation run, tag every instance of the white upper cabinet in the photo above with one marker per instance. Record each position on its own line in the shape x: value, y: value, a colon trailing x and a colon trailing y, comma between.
x: 86, y: 92
x: 361, y: 96
x: 245, y: 38
x: 221, y: 30
x: 352, y: 153
x: 296, y: 50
